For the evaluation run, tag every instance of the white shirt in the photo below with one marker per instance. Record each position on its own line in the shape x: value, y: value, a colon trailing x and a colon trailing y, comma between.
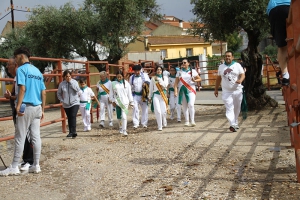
x: 163, y: 82
x: 187, y: 77
x: 118, y: 91
x: 230, y: 74
x: 86, y: 95
x: 137, y: 82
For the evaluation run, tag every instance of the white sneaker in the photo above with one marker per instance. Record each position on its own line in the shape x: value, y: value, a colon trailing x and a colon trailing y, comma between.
x: 111, y: 124
x: 165, y: 125
x: 85, y: 129
x: 187, y: 124
x: 145, y: 126
x: 102, y: 123
x: 121, y: 130
x: 34, y: 169
x: 10, y: 171
x: 89, y: 128
x: 236, y: 127
x: 193, y: 124
x: 25, y: 167
x: 125, y: 133
x: 135, y: 127
x: 160, y: 129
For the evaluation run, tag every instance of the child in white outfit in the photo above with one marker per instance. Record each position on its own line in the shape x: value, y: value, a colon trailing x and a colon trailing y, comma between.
x: 86, y: 95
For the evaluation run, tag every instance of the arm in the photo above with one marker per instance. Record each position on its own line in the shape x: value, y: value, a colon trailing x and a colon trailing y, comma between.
x: 59, y: 93
x: 240, y: 80
x: 218, y: 82
x: 21, y: 94
x: 43, y: 103
x: 74, y: 85
x: 164, y: 82
x: 176, y: 86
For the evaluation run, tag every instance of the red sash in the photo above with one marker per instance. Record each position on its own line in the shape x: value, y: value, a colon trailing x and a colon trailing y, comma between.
x: 187, y: 85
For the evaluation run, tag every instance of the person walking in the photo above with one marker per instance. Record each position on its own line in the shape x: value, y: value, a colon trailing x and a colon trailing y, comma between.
x: 103, y: 96
x: 186, y: 79
x: 12, y: 96
x: 31, y: 98
x: 68, y: 94
x: 158, y: 97
x: 173, y: 101
x: 139, y: 82
x: 230, y: 76
x: 121, y: 98
x: 278, y: 11
x: 86, y: 97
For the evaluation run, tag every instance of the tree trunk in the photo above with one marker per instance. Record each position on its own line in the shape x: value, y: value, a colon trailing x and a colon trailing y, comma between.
x: 253, y: 61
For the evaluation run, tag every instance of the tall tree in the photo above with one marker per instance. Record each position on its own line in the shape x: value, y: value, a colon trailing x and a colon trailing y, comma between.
x: 222, y: 17
x: 99, y: 27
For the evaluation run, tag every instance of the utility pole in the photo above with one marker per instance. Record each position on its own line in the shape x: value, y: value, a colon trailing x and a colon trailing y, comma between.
x: 12, y: 14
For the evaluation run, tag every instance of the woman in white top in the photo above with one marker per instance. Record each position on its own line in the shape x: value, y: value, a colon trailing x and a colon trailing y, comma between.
x: 158, y: 97
x: 121, y: 98
x: 185, y: 81
x: 103, y: 96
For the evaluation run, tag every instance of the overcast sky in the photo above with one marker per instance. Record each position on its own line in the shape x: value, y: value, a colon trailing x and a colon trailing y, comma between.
x: 178, y: 8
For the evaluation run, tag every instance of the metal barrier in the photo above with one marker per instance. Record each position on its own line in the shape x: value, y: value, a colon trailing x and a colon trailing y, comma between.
x: 292, y: 92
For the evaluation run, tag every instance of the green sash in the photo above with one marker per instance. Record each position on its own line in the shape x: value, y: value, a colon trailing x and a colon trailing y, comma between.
x: 183, y: 91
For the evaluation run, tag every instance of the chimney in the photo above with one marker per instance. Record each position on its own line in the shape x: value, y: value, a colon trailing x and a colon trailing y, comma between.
x: 180, y: 23
x: 146, y: 42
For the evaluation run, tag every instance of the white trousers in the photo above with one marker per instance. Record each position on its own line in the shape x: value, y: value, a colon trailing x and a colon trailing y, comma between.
x: 232, y: 101
x: 160, y: 110
x: 86, y: 115
x: 173, y: 103
x: 137, y: 99
x: 188, y: 107
x: 104, y: 104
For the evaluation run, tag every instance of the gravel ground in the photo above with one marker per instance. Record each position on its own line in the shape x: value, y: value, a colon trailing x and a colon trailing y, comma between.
x: 203, y: 162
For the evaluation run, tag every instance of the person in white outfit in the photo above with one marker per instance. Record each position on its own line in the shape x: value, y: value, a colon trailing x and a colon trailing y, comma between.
x: 158, y: 97
x: 173, y: 101
x: 139, y: 81
x: 86, y: 95
x: 121, y: 97
x: 103, y: 96
x: 231, y: 76
x: 186, y: 79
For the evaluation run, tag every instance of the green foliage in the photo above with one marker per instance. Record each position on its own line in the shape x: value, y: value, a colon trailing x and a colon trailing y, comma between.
x: 219, y: 18
x: 234, y: 41
x: 60, y: 32
x: 271, y: 51
x: 213, y: 62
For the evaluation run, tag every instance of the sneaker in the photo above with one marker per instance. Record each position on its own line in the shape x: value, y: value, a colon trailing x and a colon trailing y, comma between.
x: 145, y: 126
x: 285, y: 82
x: 25, y: 167
x: 160, y: 129
x: 193, y: 124
x: 187, y: 124
x: 178, y: 120
x: 165, y: 126
x: 70, y: 135
x: 74, y: 135
x: 121, y: 130
x: 89, y: 128
x: 236, y: 127
x: 10, y: 171
x: 102, y: 123
x: 232, y: 129
x: 125, y: 133
x: 34, y: 169
x: 111, y: 124
x: 85, y: 129
x: 135, y: 127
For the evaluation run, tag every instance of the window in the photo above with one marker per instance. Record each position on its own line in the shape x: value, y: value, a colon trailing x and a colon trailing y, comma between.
x: 189, y: 52
x: 163, y: 53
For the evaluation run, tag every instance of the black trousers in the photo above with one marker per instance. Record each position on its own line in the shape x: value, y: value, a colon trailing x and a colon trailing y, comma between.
x: 71, y: 114
x: 28, y: 148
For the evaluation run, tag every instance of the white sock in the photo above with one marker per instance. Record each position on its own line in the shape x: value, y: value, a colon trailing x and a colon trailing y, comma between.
x: 286, y: 75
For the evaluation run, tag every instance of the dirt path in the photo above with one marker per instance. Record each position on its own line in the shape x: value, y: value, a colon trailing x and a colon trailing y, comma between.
x: 202, y: 162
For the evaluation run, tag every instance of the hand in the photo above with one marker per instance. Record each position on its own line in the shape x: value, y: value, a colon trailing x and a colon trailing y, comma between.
x: 150, y: 100
x: 168, y: 95
x: 7, y: 94
x: 216, y: 93
x: 175, y: 94
x: 238, y: 82
x: 114, y: 104
x: 156, y: 78
x: 42, y: 117
x: 193, y: 79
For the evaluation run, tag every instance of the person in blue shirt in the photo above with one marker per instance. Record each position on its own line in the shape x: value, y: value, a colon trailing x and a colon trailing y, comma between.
x: 31, y: 93
x: 278, y: 11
